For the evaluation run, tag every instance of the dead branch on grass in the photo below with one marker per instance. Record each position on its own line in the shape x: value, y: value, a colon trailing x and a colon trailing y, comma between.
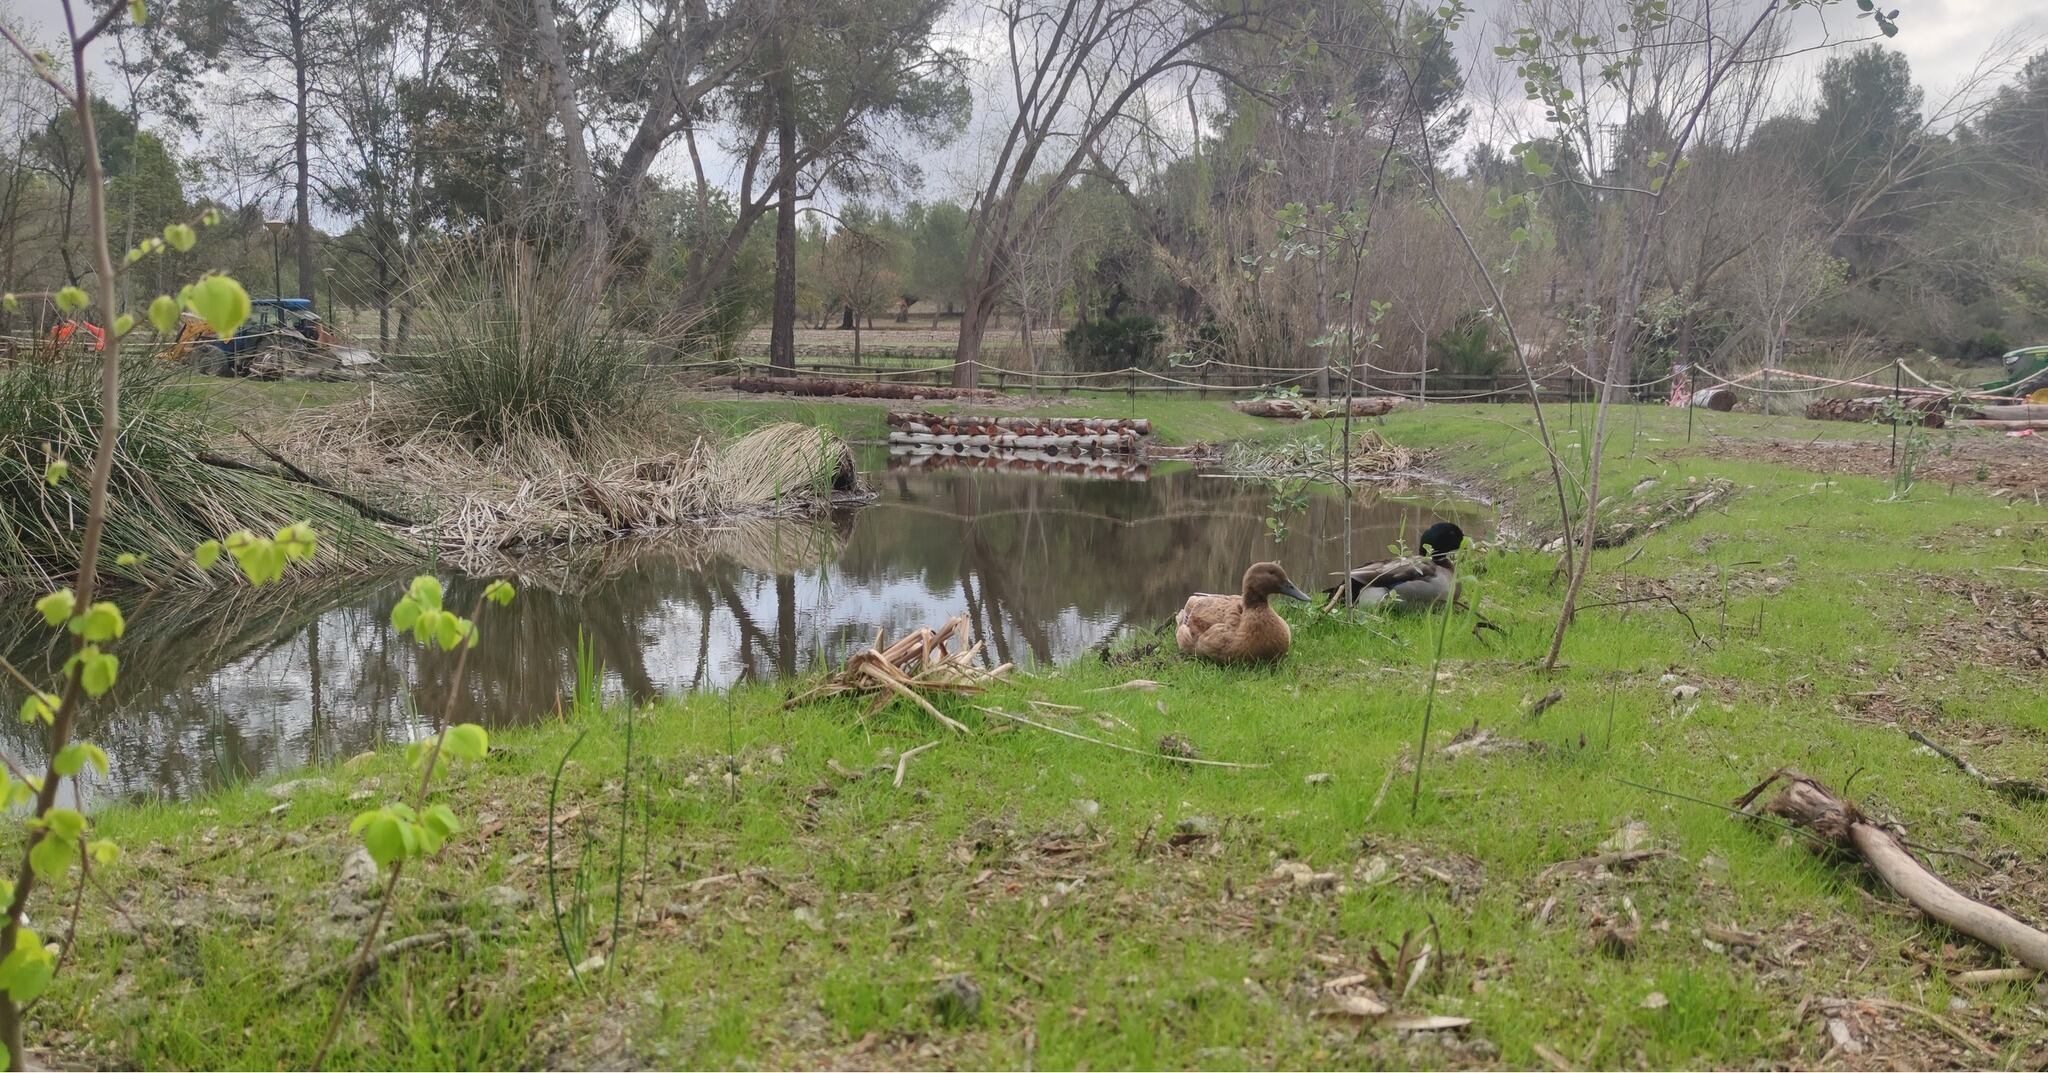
x: 916, y: 664
x: 2015, y: 789
x: 1808, y: 804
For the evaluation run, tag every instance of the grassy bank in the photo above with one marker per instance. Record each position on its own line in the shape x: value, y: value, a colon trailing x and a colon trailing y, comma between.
x: 1026, y: 898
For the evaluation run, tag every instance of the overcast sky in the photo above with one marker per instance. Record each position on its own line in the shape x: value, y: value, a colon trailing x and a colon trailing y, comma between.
x: 1944, y: 39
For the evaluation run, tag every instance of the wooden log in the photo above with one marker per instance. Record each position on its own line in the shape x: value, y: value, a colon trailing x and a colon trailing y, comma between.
x: 1809, y: 805
x: 2008, y: 426
x: 2028, y: 412
x: 1304, y: 409
x: 853, y: 389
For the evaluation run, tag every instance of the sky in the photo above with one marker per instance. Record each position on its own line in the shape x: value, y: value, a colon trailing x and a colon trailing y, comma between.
x: 1945, y: 40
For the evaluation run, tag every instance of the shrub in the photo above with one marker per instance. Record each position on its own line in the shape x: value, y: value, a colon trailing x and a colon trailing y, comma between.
x: 163, y: 500
x: 522, y: 352
x: 1987, y: 345
x: 1113, y: 343
x: 1467, y: 348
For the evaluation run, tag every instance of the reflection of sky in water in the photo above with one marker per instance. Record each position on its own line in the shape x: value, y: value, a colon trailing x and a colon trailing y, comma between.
x: 240, y: 683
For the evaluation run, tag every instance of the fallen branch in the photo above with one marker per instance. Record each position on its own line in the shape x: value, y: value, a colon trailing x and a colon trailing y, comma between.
x: 1620, y: 860
x: 1808, y: 804
x: 1113, y: 745
x: 1986, y: 977
x: 294, y: 474
x: 2016, y: 789
x: 914, y: 664
x: 903, y: 761
x: 395, y: 947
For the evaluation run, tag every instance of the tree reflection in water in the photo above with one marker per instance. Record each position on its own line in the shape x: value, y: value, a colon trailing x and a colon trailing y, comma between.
x: 237, y: 683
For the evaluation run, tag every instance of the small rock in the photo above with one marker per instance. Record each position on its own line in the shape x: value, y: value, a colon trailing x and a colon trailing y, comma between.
x: 292, y: 787
x: 1197, y: 826
x: 1175, y: 745
x: 1839, y: 1035
x: 358, y: 872
x: 1088, y: 807
x: 1684, y: 692
x: 1668, y: 679
x: 1634, y: 834
x: 1319, y: 778
x: 503, y: 898
x: 956, y: 1000
x: 1655, y: 1000
x: 809, y: 918
x: 590, y: 964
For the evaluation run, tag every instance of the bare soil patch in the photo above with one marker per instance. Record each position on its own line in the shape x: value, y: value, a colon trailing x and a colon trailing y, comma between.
x: 2011, y: 465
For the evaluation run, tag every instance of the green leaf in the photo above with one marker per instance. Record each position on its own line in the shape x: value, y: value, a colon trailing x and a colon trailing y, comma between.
x: 138, y: 11
x: 180, y: 236
x: 101, y: 622
x: 57, y: 606
x: 124, y: 324
x: 97, y: 670
x: 386, y: 835
x: 499, y: 592
x: 206, y: 554
x: 39, y: 707
x: 210, y: 217
x: 163, y: 314
x: 103, y: 851
x: 10, y: 303
x: 466, y: 741
x: 426, y: 590
x: 297, y: 541
x: 72, y: 299
x: 127, y: 558
x: 65, y: 823
x: 441, y: 821
x: 404, y: 613
x: 50, y: 858
x: 72, y: 758
x: 27, y: 969
x: 220, y: 302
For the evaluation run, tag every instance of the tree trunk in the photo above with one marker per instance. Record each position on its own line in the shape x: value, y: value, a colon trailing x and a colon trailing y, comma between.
x: 590, y: 261
x: 782, y: 325
x: 846, y: 318
x: 976, y: 310
x: 856, y: 340
x: 302, y: 132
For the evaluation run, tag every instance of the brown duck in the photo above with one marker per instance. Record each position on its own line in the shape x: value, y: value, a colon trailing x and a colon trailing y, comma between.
x: 1239, y: 629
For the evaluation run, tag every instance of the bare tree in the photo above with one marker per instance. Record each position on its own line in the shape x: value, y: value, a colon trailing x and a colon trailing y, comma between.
x: 1075, y: 69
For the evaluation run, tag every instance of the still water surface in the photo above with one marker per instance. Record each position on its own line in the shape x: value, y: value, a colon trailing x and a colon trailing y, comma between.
x: 248, y: 683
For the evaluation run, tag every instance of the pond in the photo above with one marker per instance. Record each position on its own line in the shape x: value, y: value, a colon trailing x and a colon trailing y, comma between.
x: 244, y: 683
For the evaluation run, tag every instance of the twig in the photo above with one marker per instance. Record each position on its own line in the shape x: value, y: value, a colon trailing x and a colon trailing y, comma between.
x: 1627, y: 858
x: 903, y: 761
x: 395, y: 947
x: 1114, y: 745
x: 2016, y: 789
x: 908, y: 694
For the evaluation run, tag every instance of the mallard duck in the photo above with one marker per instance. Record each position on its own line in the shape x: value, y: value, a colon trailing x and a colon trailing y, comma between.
x: 1427, y: 578
x: 1242, y: 628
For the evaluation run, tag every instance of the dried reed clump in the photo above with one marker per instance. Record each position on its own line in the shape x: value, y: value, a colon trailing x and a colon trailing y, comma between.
x: 163, y: 499
x: 1371, y: 455
x: 529, y: 491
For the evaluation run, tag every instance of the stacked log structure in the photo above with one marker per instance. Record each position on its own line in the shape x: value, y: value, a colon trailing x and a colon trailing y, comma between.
x: 1052, y: 436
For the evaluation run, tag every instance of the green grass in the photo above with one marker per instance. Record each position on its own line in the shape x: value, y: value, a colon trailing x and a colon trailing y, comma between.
x: 1045, y: 869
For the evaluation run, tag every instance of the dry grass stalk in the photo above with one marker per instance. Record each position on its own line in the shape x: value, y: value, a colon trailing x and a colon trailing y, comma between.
x: 915, y: 664
x: 530, y: 491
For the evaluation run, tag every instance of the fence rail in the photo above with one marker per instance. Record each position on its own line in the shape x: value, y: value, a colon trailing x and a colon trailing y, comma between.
x: 1200, y: 379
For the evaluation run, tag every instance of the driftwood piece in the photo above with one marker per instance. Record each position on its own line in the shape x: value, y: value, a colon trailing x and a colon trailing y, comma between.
x: 917, y: 663
x: 1811, y: 806
x: 854, y: 389
x: 2007, y: 426
x: 1305, y: 409
x: 2015, y: 789
x: 2032, y: 411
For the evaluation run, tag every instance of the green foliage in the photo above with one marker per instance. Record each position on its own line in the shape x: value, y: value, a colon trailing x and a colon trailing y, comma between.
x: 263, y: 559
x: 219, y: 301
x: 28, y: 968
x: 522, y: 353
x: 1987, y: 345
x: 162, y: 500
x: 396, y: 833
x: 57, y: 607
x: 1468, y: 348
x: 420, y: 613
x: 1114, y: 343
